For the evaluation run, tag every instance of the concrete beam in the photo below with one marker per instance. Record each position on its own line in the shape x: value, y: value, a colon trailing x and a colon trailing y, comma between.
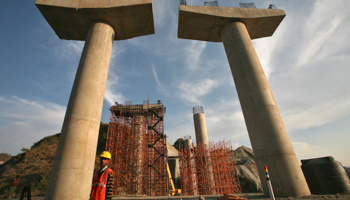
x: 71, y: 19
x: 205, y: 22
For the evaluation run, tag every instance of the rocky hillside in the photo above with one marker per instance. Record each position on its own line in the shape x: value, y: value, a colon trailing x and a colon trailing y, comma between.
x: 35, y: 164
x: 4, y: 157
x: 247, y: 170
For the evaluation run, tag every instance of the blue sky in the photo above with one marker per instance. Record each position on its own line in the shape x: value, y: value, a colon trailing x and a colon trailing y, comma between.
x: 306, y: 62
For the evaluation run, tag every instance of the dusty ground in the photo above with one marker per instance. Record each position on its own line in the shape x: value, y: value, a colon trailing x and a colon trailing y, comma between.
x: 311, y: 197
x: 250, y: 196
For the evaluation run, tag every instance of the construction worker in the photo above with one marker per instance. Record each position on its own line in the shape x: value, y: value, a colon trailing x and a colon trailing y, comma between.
x: 14, y: 184
x: 25, y: 189
x: 102, y: 182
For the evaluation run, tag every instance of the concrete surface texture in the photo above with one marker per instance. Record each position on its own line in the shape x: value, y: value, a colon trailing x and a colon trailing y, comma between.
x: 201, y: 132
x: 269, y: 138
x: 174, y: 164
x: 137, y: 159
x: 188, y: 144
x: 76, y: 150
x: 172, y: 151
x: 99, y: 23
x: 268, y: 135
x: 71, y: 19
x: 205, y: 22
x: 200, y: 128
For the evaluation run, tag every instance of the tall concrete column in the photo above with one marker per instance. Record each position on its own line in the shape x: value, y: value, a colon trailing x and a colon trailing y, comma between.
x: 188, y: 142
x: 189, y: 149
x: 76, y: 150
x: 268, y: 135
x: 200, y: 128
x: 137, y: 159
x: 98, y: 22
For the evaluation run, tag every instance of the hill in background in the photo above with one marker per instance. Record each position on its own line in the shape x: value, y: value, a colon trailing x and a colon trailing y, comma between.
x: 4, y: 157
x: 35, y: 165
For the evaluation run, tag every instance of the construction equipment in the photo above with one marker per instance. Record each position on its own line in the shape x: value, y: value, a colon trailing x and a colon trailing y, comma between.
x: 173, y: 191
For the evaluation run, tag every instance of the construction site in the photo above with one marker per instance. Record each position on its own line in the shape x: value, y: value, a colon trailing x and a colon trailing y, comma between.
x: 137, y: 143
x: 136, y: 137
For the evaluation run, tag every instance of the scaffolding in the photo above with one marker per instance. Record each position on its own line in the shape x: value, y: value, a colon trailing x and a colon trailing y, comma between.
x: 195, y: 172
x: 137, y: 144
x: 224, y: 168
x: 188, y: 172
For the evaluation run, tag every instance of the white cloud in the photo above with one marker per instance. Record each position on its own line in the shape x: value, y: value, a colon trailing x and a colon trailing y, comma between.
x: 67, y: 49
x: 111, y: 93
x: 193, y: 53
x: 319, y: 29
x: 225, y: 120
x: 191, y: 91
x: 117, y: 51
x: 156, y: 78
x: 318, y: 114
x: 24, y: 122
x: 304, y: 150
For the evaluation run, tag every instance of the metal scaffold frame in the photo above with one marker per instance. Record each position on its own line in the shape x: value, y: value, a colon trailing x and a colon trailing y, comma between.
x: 196, y: 182
x: 224, y: 168
x: 188, y: 172
x: 157, y: 154
x: 137, y: 144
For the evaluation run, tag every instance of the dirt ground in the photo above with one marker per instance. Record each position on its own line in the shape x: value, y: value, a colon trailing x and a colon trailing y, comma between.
x: 249, y: 196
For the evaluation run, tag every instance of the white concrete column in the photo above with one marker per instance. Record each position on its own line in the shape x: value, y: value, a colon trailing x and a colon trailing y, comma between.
x: 200, y: 127
x: 268, y: 135
x: 72, y: 170
x: 188, y: 143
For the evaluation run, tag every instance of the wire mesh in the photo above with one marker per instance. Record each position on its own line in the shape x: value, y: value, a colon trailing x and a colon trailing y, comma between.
x: 198, y: 109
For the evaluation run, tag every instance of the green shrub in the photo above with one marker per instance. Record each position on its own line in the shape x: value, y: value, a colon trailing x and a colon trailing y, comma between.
x: 44, y: 180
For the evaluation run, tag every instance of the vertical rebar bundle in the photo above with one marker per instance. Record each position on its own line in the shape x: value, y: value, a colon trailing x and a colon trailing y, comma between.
x: 137, y: 143
x: 224, y: 170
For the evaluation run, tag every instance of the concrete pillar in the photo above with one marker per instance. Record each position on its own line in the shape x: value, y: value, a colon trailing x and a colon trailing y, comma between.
x: 76, y: 151
x: 200, y: 128
x: 188, y: 142
x: 188, y: 147
x: 137, y: 159
x: 268, y: 135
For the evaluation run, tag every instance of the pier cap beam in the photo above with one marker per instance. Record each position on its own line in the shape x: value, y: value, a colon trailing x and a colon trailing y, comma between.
x: 71, y: 19
x: 205, y: 22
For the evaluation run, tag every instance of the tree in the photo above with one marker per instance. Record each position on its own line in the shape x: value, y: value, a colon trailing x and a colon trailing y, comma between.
x: 179, y: 144
x: 25, y: 150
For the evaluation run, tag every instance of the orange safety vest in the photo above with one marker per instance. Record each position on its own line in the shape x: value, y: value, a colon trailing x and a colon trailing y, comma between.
x: 98, y: 190
x: 15, y: 182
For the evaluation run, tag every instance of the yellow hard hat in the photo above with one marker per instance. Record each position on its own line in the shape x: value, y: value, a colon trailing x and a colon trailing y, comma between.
x: 106, y: 154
